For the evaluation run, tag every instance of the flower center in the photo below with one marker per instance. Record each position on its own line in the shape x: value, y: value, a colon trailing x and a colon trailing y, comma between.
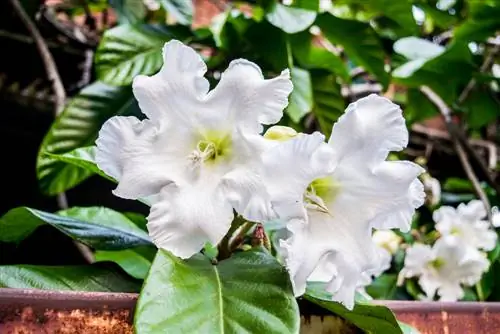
x: 211, y: 147
x: 321, y: 192
x: 437, y: 263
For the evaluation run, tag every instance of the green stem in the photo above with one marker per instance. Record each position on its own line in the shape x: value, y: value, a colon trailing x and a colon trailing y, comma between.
x: 480, y: 292
x: 289, y: 53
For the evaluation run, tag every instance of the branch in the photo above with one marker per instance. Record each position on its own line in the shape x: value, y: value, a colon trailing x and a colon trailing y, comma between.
x: 48, y: 60
x: 57, y: 87
x: 446, y: 113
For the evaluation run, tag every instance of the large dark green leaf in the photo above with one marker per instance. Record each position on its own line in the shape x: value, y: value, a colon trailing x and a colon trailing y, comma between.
x: 313, y: 57
x: 328, y: 101
x: 368, y: 317
x: 269, y: 44
x: 78, y: 126
x: 83, y: 157
x: 135, y: 261
x: 481, y: 107
x: 360, y: 42
x: 76, y: 278
x: 126, y: 51
x: 290, y: 19
x: 181, y: 10
x: 482, y: 21
x: 248, y: 293
x: 455, y: 63
x: 97, y: 227
x: 129, y: 11
x: 301, y: 99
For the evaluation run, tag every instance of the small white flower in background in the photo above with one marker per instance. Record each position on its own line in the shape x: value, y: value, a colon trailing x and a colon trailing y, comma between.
x: 467, y: 222
x: 151, y: 5
x: 332, y: 195
x: 198, y: 151
x: 444, y: 267
x: 432, y: 189
x: 388, y: 240
x: 495, y: 217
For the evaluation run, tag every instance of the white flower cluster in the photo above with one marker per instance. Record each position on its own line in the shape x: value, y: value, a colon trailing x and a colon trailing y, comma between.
x: 200, y: 155
x: 457, y: 258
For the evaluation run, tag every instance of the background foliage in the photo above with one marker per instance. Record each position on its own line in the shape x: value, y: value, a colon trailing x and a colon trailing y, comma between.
x: 338, y: 51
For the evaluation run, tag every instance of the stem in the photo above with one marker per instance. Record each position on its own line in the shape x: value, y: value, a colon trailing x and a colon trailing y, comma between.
x: 480, y: 292
x: 289, y: 53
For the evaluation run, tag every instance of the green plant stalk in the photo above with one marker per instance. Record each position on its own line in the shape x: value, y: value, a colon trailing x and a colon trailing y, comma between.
x: 247, y: 226
x: 480, y: 292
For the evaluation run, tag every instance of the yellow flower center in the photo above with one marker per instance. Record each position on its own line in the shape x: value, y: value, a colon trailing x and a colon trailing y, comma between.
x: 437, y: 263
x: 321, y: 192
x: 211, y: 147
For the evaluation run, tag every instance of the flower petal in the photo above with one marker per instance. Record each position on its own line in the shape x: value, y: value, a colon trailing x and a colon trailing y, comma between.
x: 472, y: 211
x: 189, y: 216
x: 126, y: 151
x: 171, y: 93
x: 290, y: 167
x: 344, y: 250
x: 246, y: 192
x: 245, y: 97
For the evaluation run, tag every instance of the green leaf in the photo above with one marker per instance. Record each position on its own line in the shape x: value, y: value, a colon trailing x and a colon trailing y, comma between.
x: 481, y: 23
x: 97, y: 227
x: 76, y: 127
x: 270, y: 45
x: 418, y: 107
x: 181, y: 10
x: 301, y: 99
x: 329, y: 104
x: 307, y: 4
x: 83, y: 157
x: 360, y: 42
x: 312, y: 57
x: 455, y: 62
x: 134, y: 261
x: 290, y: 19
x: 368, y: 317
x: 74, y: 278
x: 481, y: 107
x: 248, y: 293
x: 127, y: 51
x: 129, y: 11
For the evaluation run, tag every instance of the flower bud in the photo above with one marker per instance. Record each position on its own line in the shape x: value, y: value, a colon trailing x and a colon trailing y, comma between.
x: 280, y: 133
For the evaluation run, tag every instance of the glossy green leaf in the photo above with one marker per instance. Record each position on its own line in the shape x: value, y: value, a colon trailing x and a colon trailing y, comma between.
x: 181, y: 10
x: 482, y: 21
x: 129, y: 11
x: 481, y: 107
x: 248, y: 293
x: 269, y: 44
x: 76, y: 127
x: 83, y: 157
x: 307, y: 4
x: 368, y: 317
x: 134, y: 261
x: 385, y: 287
x: 127, y: 51
x: 360, y: 42
x: 97, y: 227
x: 419, y: 107
x: 290, y: 19
x: 313, y: 57
x: 329, y: 104
x: 74, y: 278
x: 301, y: 99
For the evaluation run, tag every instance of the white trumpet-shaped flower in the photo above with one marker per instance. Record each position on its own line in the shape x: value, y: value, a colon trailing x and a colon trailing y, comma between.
x: 468, y: 222
x: 387, y: 240
x: 444, y: 267
x: 197, y: 149
x: 332, y: 195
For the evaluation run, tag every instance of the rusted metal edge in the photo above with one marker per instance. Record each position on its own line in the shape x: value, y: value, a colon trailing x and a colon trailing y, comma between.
x: 128, y: 300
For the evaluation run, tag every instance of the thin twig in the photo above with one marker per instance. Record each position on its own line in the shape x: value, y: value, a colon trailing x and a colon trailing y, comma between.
x: 446, y: 113
x: 57, y: 87
x: 488, y: 62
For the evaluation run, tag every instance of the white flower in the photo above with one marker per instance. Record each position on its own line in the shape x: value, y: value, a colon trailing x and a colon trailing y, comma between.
x: 432, y: 188
x: 151, y: 5
x: 387, y: 240
x: 332, y: 195
x: 466, y: 222
x: 197, y: 149
x: 444, y: 267
x: 495, y: 217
